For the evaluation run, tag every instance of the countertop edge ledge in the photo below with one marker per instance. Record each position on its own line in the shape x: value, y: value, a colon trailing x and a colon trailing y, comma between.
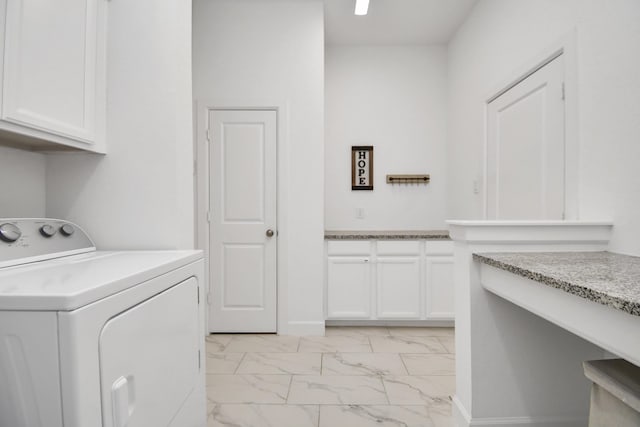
x: 611, y: 294
x: 387, y: 235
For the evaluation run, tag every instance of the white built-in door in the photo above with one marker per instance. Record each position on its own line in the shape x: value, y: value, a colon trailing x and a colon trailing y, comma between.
x: 242, y: 185
x: 525, y: 148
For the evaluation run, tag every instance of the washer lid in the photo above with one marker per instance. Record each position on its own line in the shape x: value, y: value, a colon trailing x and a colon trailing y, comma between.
x: 71, y: 282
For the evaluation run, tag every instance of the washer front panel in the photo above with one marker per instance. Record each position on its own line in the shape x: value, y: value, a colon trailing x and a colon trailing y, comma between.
x: 80, y: 343
x: 29, y: 373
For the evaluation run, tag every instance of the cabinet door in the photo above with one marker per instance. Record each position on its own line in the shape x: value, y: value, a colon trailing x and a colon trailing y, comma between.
x: 51, y: 62
x: 398, y: 286
x: 348, y: 288
x: 439, y: 286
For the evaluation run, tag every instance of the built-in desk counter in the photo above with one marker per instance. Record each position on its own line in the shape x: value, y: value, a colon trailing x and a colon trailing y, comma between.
x: 594, y: 295
x: 604, y: 277
x: 521, y: 332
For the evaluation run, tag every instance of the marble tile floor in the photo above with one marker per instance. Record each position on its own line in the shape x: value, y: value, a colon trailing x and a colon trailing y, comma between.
x: 351, y: 377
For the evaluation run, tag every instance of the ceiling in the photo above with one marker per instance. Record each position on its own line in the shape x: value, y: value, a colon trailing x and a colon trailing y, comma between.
x: 395, y: 22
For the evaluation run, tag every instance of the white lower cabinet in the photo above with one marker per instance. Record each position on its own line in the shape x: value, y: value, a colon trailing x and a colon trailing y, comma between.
x: 439, y: 301
x: 390, y: 280
x: 398, y: 286
x: 349, y: 289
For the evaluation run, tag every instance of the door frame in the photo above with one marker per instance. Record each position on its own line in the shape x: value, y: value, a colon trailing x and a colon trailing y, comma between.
x: 567, y: 47
x: 202, y: 200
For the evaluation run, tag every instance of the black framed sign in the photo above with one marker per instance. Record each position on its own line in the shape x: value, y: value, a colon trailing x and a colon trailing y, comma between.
x: 362, y: 167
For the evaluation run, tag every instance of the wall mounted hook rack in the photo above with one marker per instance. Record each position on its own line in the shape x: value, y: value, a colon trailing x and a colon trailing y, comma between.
x: 408, y: 179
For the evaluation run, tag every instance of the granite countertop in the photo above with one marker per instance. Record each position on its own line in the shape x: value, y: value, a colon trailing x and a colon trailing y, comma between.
x: 604, y: 277
x: 387, y: 235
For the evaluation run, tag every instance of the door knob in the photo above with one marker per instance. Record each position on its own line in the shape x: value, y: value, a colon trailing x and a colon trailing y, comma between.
x: 269, y: 233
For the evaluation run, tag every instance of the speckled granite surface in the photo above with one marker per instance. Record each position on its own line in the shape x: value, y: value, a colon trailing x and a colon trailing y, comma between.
x: 388, y: 235
x: 604, y: 277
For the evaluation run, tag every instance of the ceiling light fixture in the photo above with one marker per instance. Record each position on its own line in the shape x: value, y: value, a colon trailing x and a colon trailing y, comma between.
x: 362, y: 6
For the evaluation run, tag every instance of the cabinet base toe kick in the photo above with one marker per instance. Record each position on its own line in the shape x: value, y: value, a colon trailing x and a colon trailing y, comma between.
x: 393, y: 323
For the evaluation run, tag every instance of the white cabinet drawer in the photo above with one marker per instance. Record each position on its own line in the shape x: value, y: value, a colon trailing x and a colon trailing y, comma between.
x: 399, y: 247
x: 439, y: 247
x: 349, y: 247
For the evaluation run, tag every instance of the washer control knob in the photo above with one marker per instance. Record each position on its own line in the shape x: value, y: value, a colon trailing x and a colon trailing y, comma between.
x: 48, y: 230
x: 9, y: 232
x: 67, y: 230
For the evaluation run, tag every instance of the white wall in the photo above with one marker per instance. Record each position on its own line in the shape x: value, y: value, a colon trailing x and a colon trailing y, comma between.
x: 140, y: 195
x: 498, y: 38
x: 22, y: 183
x: 394, y: 98
x: 255, y: 53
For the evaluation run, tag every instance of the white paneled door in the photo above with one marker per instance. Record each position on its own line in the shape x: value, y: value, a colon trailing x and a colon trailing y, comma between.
x: 242, y: 185
x: 526, y: 149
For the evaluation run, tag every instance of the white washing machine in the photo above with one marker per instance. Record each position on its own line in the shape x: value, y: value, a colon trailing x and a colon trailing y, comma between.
x: 94, y: 338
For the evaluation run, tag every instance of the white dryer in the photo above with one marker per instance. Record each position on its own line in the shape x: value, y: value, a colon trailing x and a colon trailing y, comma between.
x: 94, y: 338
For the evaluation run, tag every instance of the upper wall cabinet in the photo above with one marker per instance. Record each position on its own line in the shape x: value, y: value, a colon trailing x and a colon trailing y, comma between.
x: 53, y: 74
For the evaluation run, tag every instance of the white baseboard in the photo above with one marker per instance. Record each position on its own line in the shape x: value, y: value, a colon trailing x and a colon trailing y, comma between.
x: 462, y: 418
x: 305, y: 328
